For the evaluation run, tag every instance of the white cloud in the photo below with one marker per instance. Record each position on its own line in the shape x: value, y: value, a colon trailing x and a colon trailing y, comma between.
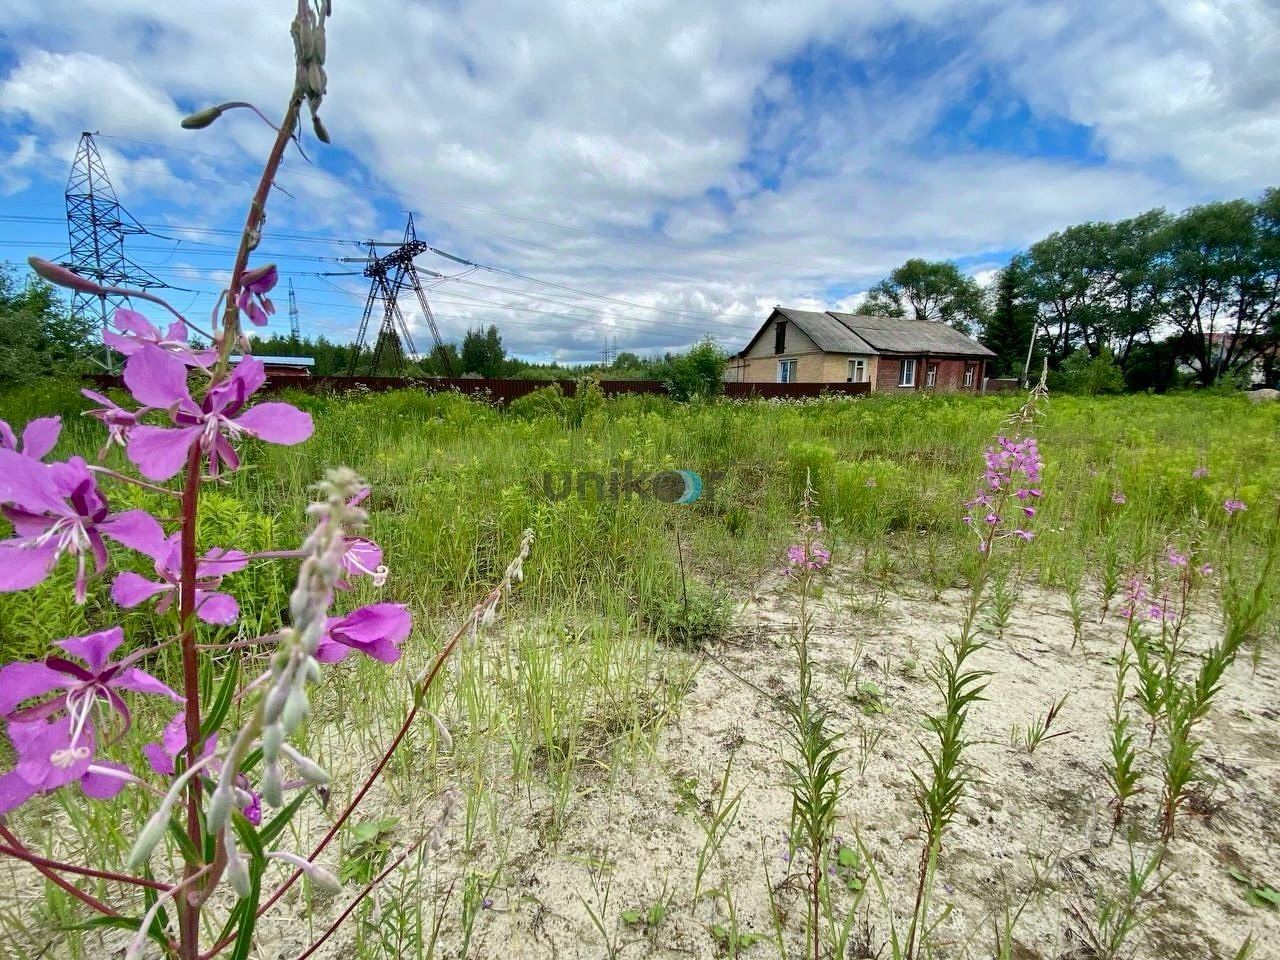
x: 589, y: 123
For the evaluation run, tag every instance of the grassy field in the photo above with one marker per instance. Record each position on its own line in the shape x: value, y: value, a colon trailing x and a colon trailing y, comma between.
x: 620, y: 743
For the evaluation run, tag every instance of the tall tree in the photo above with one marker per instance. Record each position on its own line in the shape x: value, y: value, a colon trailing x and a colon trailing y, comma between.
x: 928, y: 290
x: 1011, y: 320
x: 483, y: 352
x: 1220, y: 268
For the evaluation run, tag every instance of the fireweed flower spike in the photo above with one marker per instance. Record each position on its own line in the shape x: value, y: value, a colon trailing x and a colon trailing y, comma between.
x: 57, y: 509
x: 158, y: 379
x: 212, y: 606
x: 38, y: 437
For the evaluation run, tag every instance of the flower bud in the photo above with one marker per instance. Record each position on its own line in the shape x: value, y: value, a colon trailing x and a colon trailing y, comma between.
x: 296, y: 709
x: 237, y: 870
x: 201, y: 118
x: 272, y: 737
x: 323, y: 879
x: 62, y: 277
x: 221, y: 801
x: 272, y: 788
x: 308, y: 769
x: 152, y: 833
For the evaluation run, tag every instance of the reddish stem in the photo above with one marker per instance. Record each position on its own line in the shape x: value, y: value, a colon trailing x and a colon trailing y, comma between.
x: 19, y: 852
x: 189, y: 912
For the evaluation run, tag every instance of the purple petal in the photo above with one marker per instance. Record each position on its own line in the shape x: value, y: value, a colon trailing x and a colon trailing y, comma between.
x: 137, y: 530
x: 139, y: 681
x: 29, y: 484
x: 14, y: 792
x: 276, y: 423
x: 22, y: 567
x: 100, y: 785
x: 25, y: 681
x: 131, y: 321
x: 330, y: 651
x: 40, y: 436
x: 126, y: 345
x: 216, y: 607
x: 376, y: 630
x: 219, y: 562
x: 130, y: 589
x: 251, y: 373
x: 161, y: 762
x: 94, y: 649
x: 35, y: 744
x: 177, y: 332
x: 159, y: 452
x: 7, y: 440
x: 156, y: 378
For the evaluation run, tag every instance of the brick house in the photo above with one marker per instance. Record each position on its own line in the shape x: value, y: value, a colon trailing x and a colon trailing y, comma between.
x: 887, y: 353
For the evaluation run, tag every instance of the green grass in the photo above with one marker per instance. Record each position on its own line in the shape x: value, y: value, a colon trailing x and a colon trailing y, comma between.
x: 586, y: 674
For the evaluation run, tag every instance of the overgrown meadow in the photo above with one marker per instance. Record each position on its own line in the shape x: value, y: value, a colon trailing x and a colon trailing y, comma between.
x: 671, y: 741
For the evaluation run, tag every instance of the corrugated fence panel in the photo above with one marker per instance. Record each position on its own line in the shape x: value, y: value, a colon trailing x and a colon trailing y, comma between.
x: 504, y: 391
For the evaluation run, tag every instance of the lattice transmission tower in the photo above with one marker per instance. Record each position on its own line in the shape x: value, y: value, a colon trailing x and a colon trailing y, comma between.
x: 388, y: 276
x: 97, y: 225
x: 295, y: 324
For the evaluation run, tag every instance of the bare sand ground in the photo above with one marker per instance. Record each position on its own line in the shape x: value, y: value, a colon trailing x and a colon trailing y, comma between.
x: 1035, y: 827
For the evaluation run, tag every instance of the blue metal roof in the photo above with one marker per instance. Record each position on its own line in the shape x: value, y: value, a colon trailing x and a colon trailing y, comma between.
x: 280, y: 361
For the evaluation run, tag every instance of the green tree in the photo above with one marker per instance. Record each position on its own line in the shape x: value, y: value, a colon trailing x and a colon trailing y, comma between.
x: 1220, y: 270
x: 698, y: 373
x: 1083, y: 373
x: 38, y: 335
x: 483, y: 353
x: 1010, y: 322
x: 928, y: 290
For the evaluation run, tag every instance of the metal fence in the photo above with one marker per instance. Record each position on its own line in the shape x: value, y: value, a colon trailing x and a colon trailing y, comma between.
x: 504, y: 391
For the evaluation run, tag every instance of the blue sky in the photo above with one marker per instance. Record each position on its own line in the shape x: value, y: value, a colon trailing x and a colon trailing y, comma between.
x: 649, y: 170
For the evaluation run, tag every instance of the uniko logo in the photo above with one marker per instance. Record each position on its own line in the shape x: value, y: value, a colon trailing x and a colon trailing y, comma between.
x: 664, y: 486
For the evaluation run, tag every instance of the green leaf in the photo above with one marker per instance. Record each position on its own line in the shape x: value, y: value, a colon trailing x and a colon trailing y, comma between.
x: 249, y: 918
x: 630, y: 916
x: 268, y: 834
x: 179, y: 834
x: 221, y: 704
x: 121, y: 923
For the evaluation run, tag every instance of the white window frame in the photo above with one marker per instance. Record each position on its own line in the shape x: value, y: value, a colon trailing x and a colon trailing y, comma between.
x: 905, y: 366
x: 931, y: 375
x: 970, y: 374
x: 783, y: 376
x: 858, y: 370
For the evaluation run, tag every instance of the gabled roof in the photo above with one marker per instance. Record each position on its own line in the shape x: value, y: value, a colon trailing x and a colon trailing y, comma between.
x: 860, y: 333
x: 899, y: 335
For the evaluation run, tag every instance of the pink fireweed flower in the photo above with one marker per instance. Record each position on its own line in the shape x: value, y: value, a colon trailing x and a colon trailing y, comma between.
x: 137, y: 331
x: 115, y: 418
x: 212, y: 606
x: 1233, y: 506
x: 254, y: 287
x: 1199, y: 473
x: 1135, y: 595
x: 1011, y: 467
x: 162, y: 757
x: 1177, y: 559
x: 57, y: 509
x: 47, y: 758
x: 159, y: 380
x: 1023, y: 534
x: 38, y: 437
x: 376, y: 631
x: 76, y: 688
x: 362, y: 558
x: 815, y: 558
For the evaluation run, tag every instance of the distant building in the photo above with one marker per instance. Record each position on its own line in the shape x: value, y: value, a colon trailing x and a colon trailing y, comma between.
x: 280, y: 367
x: 888, y: 353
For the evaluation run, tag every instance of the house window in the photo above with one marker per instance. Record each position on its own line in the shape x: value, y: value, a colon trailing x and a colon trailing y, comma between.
x: 858, y: 371
x: 931, y: 375
x: 786, y: 371
x: 970, y: 373
x: 907, y: 373
x: 780, y: 336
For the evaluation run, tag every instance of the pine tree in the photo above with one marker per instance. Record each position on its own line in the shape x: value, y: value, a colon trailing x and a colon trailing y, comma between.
x: 1009, y: 329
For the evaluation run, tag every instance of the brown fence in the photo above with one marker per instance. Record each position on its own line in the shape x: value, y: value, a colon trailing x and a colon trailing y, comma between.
x: 1001, y: 385
x: 504, y: 391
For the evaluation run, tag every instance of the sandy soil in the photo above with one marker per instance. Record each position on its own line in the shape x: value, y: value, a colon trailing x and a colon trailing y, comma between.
x: 633, y: 840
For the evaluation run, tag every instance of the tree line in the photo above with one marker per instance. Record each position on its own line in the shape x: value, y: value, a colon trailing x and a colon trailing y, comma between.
x: 1142, y: 302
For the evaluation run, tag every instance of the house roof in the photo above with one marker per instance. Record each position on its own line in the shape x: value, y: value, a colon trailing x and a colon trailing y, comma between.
x: 898, y: 335
x: 280, y: 361
x: 860, y: 333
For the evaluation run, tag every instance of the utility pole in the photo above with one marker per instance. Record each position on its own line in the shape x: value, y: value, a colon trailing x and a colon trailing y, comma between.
x: 96, y: 226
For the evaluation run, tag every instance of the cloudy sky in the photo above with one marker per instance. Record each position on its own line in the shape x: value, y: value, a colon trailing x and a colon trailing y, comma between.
x: 647, y: 170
